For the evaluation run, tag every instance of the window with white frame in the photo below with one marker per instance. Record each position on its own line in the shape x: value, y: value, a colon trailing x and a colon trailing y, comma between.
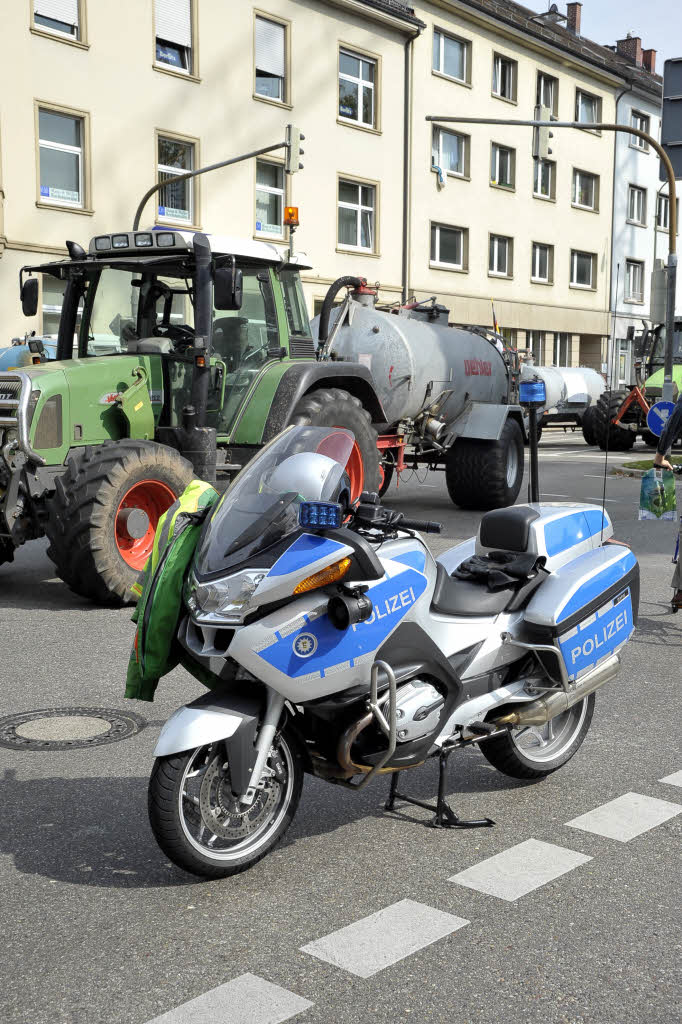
x: 500, y: 256
x: 448, y: 247
x: 642, y: 122
x: 547, y: 92
x: 562, y: 349
x: 61, y: 158
x: 357, y: 78
x: 583, y: 269
x: 585, y: 190
x: 634, y: 281
x: 637, y: 205
x: 663, y: 212
x: 451, y: 56
x: 504, y: 77
x: 544, y: 178
x: 542, y: 261
x: 173, y: 30
x: 270, y: 59
x: 502, y: 165
x: 587, y: 107
x: 176, y: 198
x: 59, y: 16
x: 534, y: 341
x: 269, y: 199
x: 356, y: 215
x: 449, y: 151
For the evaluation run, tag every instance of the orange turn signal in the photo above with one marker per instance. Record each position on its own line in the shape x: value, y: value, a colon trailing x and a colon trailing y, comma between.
x: 331, y: 574
x: 291, y: 216
x: 200, y: 361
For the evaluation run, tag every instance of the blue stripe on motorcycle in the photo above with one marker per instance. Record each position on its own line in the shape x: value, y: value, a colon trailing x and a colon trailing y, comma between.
x: 319, y: 646
x: 598, y: 584
x: 415, y: 559
x: 562, y: 534
x: 305, y: 549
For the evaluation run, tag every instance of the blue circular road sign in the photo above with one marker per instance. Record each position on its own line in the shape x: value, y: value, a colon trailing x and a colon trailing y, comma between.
x: 658, y: 416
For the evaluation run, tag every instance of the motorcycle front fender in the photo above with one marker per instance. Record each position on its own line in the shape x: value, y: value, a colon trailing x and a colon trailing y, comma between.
x: 228, y: 715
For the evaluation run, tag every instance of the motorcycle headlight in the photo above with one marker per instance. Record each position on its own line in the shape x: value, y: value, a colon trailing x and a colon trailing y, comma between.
x: 229, y: 599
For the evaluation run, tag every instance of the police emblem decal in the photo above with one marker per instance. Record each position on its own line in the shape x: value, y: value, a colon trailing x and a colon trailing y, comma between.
x: 304, y: 645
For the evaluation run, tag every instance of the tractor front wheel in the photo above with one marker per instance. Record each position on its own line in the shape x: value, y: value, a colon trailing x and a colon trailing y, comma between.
x: 609, y: 435
x: 332, y: 407
x: 105, y: 511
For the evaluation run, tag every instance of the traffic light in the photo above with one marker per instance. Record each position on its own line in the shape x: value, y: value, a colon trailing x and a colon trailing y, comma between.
x: 541, y: 136
x: 671, y: 119
x: 293, y: 140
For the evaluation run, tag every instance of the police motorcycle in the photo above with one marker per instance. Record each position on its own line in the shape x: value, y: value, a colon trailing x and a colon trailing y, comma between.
x: 337, y: 646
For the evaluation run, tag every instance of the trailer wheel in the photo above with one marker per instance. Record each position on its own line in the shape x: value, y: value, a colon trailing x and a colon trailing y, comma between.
x: 486, y: 474
x: 104, y: 514
x: 608, y: 435
x: 588, y: 425
x: 332, y: 407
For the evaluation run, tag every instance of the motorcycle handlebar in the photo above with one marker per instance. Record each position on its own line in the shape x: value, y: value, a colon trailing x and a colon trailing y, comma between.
x: 419, y: 524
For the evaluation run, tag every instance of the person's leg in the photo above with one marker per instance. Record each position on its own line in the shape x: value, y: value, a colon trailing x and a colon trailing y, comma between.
x: 676, y: 582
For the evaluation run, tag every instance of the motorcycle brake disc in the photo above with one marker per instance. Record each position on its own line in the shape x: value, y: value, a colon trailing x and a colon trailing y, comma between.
x: 220, y: 810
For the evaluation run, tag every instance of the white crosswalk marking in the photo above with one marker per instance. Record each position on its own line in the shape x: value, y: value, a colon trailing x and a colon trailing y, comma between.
x: 375, y: 942
x: 247, y: 999
x: 520, y: 869
x: 626, y: 817
x: 673, y: 780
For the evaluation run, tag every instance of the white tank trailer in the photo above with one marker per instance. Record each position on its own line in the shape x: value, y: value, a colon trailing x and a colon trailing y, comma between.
x: 450, y: 396
x: 571, y: 391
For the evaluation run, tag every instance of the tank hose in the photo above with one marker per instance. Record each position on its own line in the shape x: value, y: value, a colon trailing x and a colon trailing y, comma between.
x: 341, y: 282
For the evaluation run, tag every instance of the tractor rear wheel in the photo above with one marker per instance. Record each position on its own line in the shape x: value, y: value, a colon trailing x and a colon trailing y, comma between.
x: 608, y: 435
x: 332, y: 407
x: 588, y: 425
x: 486, y: 474
x: 105, y: 511
x: 650, y: 439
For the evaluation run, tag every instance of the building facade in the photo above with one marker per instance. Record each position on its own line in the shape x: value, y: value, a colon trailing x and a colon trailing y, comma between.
x: 91, y: 115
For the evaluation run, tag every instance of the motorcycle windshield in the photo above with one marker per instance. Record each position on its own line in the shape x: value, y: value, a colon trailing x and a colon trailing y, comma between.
x: 261, y: 506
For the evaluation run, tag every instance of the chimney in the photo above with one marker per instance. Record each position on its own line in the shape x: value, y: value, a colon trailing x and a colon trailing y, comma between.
x: 649, y: 61
x: 573, y: 24
x: 631, y: 49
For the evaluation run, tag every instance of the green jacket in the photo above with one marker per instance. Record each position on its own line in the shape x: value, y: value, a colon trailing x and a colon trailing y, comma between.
x: 159, y: 591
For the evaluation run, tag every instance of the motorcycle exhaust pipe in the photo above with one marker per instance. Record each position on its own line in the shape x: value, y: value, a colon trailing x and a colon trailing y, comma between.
x: 539, y: 712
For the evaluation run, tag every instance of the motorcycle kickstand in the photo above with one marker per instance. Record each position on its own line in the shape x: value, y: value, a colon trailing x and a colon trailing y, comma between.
x: 444, y: 817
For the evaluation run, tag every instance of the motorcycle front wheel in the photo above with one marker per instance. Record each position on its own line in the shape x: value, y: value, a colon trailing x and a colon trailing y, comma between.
x: 202, y: 827
x: 533, y: 751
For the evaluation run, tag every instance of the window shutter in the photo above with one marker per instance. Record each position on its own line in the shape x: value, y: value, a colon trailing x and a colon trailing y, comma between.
x: 58, y: 10
x: 270, y: 47
x: 173, y: 21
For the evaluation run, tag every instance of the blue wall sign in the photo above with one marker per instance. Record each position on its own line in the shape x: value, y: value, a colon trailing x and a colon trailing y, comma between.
x: 658, y: 416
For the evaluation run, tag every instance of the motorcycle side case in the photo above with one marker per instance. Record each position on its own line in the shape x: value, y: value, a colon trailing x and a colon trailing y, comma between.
x: 588, y: 607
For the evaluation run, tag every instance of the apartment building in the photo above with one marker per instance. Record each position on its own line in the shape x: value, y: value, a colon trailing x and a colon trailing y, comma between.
x: 91, y: 114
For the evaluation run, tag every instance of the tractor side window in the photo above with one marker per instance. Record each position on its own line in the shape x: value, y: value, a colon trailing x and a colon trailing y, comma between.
x: 244, y: 338
x: 294, y: 304
x: 110, y: 316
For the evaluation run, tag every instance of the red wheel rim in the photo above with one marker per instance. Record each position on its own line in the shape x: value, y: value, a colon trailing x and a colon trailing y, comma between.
x: 153, y: 498
x: 355, y: 470
x: 382, y: 475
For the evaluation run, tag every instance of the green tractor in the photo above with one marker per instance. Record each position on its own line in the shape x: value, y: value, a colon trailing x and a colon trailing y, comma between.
x: 178, y: 355
x: 620, y: 415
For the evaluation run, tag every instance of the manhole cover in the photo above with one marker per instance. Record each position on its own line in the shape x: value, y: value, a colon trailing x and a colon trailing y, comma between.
x: 66, y: 728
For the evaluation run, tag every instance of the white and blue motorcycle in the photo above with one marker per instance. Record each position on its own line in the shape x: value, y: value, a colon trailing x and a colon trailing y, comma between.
x: 336, y: 645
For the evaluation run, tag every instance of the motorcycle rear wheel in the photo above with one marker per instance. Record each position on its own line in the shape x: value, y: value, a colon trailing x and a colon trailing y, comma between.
x: 535, y: 751
x: 201, y: 827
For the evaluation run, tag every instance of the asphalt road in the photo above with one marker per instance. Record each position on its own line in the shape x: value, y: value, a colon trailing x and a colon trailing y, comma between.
x: 100, y: 928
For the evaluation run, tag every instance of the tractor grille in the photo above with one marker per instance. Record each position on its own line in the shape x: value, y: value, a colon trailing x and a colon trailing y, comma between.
x: 10, y: 392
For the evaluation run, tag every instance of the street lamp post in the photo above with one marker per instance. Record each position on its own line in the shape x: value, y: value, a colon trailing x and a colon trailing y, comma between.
x: 672, y: 218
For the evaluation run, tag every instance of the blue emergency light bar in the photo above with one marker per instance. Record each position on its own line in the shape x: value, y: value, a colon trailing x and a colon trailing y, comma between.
x: 532, y: 391
x: 320, y: 514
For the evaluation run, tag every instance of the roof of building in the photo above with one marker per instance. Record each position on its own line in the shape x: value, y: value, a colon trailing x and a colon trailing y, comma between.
x: 398, y: 9
x: 555, y: 34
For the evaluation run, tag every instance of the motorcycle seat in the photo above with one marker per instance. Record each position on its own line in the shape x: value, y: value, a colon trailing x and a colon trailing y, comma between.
x: 471, y: 598
x: 507, y: 529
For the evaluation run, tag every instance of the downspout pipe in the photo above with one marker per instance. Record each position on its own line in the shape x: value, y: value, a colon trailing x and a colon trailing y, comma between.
x: 407, y: 165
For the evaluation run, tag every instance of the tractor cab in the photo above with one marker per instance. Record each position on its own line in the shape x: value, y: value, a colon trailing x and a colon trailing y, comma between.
x: 134, y: 297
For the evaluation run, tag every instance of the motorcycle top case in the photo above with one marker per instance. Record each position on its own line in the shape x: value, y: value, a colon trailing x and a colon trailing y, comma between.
x: 588, y: 607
